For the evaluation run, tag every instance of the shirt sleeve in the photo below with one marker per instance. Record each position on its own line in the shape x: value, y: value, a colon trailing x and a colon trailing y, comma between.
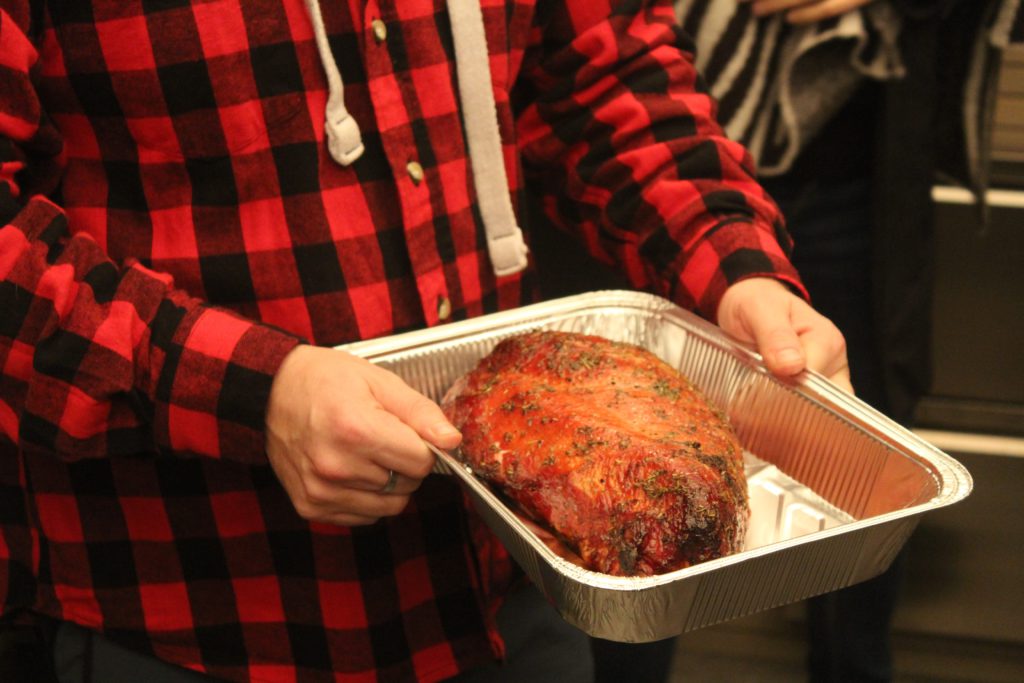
x: 104, y: 359
x: 621, y: 146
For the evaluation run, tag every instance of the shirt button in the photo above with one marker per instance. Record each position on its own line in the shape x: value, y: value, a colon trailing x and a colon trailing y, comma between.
x: 380, y: 30
x: 444, y: 308
x: 415, y: 171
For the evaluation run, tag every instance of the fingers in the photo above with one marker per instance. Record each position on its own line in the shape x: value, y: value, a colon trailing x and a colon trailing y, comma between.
x: 388, y: 427
x: 362, y: 475
x: 355, y: 500
x: 337, y: 488
x: 778, y: 342
x: 790, y: 335
x: 337, y: 426
x: 824, y: 9
x: 824, y: 345
x: 359, y: 447
x: 417, y: 411
x: 759, y: 311
x: 363, y: 507
x: 804, y: 11
x: 762, y: 8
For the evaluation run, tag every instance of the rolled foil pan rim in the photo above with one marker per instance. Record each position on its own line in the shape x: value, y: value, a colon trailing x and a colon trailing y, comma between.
x: 581, y: 589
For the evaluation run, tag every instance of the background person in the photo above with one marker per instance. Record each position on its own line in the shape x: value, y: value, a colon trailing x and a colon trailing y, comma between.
x: 850, y: 109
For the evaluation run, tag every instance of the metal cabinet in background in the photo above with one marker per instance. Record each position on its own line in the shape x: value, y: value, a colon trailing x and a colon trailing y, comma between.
x: 978, y: 321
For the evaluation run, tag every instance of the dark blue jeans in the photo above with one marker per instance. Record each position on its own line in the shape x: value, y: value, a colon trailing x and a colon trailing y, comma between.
x: 831, y: 224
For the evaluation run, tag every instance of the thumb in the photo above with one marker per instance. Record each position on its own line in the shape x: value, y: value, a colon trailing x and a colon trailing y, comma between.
x: 778, y: 341
x: 416, y: 410
x: 761, y: 311
x: 781, y: 350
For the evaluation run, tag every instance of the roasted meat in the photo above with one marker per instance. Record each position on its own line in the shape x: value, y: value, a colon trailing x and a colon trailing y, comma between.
x: 606, y: 446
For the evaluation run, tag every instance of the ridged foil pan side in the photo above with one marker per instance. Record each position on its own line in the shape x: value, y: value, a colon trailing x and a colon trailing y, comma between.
x: 836, y: 490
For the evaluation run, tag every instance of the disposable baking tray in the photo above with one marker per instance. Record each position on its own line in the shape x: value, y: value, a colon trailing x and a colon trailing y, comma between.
x: 836, y: 488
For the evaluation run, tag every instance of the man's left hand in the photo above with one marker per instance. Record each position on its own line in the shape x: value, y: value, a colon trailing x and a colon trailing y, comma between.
x: 790, y: 335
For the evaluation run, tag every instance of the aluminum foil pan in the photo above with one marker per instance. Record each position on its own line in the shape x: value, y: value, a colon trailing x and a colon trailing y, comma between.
x: 836, y: 488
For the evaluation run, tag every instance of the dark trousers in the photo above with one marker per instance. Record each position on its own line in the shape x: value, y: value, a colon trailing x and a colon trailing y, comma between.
x: 25, y: 653
x: 633, y: 662
x: 82, y: 656
x: 849, y: 629
x: 540, y: 646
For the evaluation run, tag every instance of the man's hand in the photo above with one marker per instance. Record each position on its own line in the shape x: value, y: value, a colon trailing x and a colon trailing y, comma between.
x: 337, y: 425
x: 804, y: 11
x: 789, y: 334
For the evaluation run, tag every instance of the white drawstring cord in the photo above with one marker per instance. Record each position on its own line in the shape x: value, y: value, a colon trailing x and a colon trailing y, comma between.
x: 344, y: 141
x: 505, y: 244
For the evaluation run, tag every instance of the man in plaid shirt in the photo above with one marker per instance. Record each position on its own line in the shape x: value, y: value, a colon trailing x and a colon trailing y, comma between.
x: 198, y: 198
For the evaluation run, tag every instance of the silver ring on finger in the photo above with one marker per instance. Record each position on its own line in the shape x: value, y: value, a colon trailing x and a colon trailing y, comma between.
x: 389, y: 485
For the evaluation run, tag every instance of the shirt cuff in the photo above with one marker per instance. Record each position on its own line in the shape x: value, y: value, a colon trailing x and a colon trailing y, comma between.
x: 731, y: 252
x: 214, y: 385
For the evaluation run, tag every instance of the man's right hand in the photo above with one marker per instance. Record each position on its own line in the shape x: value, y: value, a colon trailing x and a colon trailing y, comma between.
x: 336, y: 426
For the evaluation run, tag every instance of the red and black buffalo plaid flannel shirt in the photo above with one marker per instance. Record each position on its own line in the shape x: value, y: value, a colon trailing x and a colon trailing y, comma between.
x: 173, y: 224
